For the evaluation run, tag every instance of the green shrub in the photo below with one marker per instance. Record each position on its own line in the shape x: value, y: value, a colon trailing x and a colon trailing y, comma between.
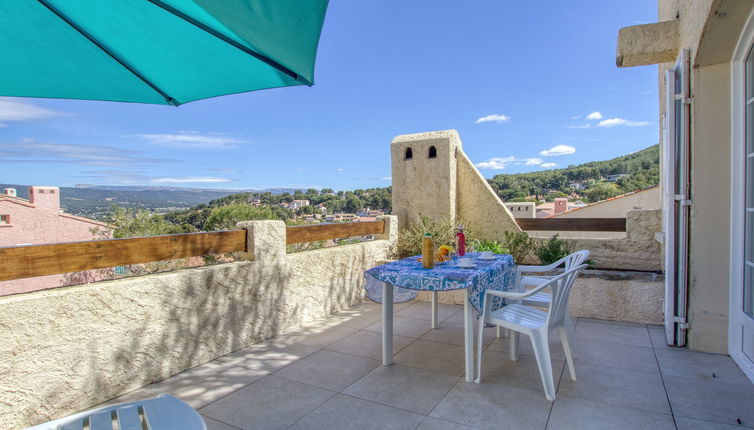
x: 552, y: 250
x: 490, y: 245
x: 519, y: 245
x: 226, y: 217
x: 443, y: 231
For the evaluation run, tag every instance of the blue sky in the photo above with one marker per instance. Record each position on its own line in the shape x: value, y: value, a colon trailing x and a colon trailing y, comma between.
x: 528, y: 85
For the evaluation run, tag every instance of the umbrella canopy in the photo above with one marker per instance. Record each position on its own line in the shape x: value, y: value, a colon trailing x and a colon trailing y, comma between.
x: 156, y: 51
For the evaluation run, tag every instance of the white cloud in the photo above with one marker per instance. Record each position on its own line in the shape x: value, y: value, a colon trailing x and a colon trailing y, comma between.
x: 31, y: 151
x: 494, y: 118
x: 18, y: 110
x: 189, y: 179
x: 548, y: 165
x: 575, y: 117
x: 500, y: 163
x: 339, y: 169
x: 587, y: 125
x: 386, y: 178
x: 614, y: 122
x: 191, y: 139
x: 594, y: 116
x: 558, y: 150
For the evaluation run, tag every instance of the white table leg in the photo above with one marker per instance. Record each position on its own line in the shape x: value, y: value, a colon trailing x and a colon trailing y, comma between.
x: 387, y: 324
x: 468, y: 337
x: 434, y: 309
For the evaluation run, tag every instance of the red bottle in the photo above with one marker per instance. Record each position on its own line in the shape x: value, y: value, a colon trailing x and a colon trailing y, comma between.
x: 460, y: 241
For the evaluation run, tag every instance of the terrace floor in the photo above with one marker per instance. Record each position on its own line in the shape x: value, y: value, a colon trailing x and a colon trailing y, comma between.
x: 327, y: 375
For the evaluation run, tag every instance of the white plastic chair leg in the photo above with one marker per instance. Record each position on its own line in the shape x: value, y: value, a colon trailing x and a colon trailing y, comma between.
x: 565, y: 340
x: 497, y: 330
x: 570, y: 326
x: 542, y: 353
x: 480, y: 342
x: 514, y: 345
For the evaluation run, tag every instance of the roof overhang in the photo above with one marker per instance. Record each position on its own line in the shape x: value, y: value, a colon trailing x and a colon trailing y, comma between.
x: 642, y: 45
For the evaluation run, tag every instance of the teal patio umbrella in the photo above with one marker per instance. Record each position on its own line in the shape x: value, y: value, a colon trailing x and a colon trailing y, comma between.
x: 156, y: 51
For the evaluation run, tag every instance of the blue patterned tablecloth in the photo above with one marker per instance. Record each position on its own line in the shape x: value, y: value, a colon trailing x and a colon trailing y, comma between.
x: 409, y: 275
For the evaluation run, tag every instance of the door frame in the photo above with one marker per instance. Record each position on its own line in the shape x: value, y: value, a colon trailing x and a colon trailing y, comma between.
x: 676, y: 198
x: 737, y: 226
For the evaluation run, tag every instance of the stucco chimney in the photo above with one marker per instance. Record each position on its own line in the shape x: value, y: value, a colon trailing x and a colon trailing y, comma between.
x: 559, y: 205
x: 45, y: 198
x: 10, y: 192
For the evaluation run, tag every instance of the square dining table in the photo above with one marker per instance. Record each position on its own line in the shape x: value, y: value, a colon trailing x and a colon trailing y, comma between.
x: 497, y: 273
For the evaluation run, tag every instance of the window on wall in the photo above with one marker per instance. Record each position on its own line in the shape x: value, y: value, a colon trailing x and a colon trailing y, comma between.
x: 432, y: 152
x: 4, y: 219
x: 409, y: 154
x: 748, y: 288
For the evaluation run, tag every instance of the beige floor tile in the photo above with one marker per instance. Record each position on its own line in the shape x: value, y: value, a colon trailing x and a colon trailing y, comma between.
x: 578, y: 414
x: 403, y: 387
x: 502, y: 344
x: 365, y: 343
x: 409, y: 327
x: 454, y: 333
x: 524, y: 373
x: 213, y: 424
x: 133, y: 396
x: 423, y: 311
x: 206, y: 383
x: 657, y: 335
x: 268, y: 356
x: 433, y: 356
x: 691, y: 364
x: 328, y: 369
x: 345, y: 412
x: 617, y: 355
x: 320, y: 335
x: 684, y: 423
x: 614, y: 386
x: 711, y: 400
x: 431, y: 423
x: 636, y: 335
x: 270, y: 403
x: 493, y: 406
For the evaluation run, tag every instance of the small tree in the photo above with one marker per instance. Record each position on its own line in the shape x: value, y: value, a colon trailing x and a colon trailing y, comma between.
x: 601, y: 191
x: 519, y: 244
x: 226, y: 217
x: 552, y: 250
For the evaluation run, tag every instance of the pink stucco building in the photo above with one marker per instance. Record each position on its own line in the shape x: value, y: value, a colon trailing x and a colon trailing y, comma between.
x: 36, y: 221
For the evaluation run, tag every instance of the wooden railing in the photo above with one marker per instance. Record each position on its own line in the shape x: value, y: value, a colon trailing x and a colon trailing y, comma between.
x: 17, y: 262
x: 40, y: 260
x: 572, y: 224
x: 311, y: 233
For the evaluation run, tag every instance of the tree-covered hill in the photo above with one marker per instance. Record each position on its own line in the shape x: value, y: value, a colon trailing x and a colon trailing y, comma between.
x: 588, y: 180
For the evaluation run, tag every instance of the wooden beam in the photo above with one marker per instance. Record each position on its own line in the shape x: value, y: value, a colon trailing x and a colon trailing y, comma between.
x: 40, y: 260
x: 311, y: 233
x: 572, y: 224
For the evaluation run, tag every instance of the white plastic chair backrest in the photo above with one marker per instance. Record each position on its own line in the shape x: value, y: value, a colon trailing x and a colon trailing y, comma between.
x: 561, y: 290
x: 576, y: 258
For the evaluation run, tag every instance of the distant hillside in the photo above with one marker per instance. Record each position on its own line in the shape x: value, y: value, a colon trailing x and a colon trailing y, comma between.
x: 96, y: 203
x: 641, y: 170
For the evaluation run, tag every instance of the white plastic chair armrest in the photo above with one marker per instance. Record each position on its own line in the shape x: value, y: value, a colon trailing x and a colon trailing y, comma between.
x: 533, y: 281
x: 516, y: 295
x: 548, y: 268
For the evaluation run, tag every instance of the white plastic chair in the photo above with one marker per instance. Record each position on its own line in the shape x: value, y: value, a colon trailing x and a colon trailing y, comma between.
x: 160, y: 413
x: 543, y: 299
x: 535, y: 323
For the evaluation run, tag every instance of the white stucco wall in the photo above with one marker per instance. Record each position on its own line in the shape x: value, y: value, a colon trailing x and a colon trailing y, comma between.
x: 67, y: 349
